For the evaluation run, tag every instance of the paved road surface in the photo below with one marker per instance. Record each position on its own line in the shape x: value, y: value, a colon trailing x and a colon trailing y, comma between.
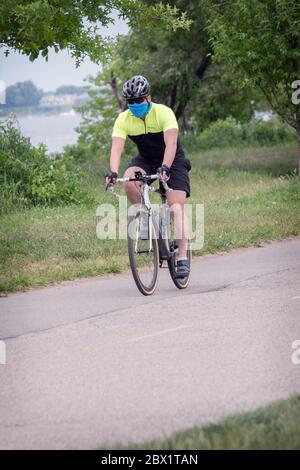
x: 93, y: 361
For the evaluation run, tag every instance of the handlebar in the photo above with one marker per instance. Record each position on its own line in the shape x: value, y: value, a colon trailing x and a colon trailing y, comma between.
x: 140, y: 177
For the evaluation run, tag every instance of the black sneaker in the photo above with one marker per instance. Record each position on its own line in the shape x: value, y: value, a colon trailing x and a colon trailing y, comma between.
x: 182, y: 269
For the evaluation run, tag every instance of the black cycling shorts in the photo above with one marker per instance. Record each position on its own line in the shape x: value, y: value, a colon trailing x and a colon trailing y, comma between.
x: 179, y: 172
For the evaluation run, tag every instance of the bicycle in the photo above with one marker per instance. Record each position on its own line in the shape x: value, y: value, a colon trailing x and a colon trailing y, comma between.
x: 147, y: 253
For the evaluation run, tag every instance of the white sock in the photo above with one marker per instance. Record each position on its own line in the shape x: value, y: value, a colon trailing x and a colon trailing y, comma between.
x: 182, y: 258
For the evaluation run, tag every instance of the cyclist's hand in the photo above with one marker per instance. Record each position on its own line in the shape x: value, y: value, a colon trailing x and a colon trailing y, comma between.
x: 111, y: 178
x: 164, y: 171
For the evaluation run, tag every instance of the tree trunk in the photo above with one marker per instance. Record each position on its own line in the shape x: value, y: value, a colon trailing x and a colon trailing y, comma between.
x: 113, y: 84
x: 184, y: 87
x: 185, y: 124
x: 173, y: 96
x: 205, y: 63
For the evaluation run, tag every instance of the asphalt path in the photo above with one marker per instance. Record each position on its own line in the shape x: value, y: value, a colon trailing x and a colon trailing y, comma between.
x: 93, y: 362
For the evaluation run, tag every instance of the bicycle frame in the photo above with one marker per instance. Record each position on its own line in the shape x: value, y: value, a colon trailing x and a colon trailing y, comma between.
x: 161, y: 244
x: 162, y: 228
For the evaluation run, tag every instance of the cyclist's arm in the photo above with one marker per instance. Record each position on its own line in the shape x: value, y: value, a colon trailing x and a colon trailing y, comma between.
x: 170, y: 137
x: 117, y: 148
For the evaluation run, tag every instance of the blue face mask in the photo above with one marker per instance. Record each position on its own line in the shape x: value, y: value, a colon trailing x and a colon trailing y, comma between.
x: 140, y: 110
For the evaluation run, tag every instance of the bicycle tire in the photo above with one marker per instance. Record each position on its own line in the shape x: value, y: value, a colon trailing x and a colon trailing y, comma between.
x: 137, y: 271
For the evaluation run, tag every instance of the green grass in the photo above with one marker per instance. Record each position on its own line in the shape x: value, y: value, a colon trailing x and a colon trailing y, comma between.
x: 250, y: 196
x: 276, y: 426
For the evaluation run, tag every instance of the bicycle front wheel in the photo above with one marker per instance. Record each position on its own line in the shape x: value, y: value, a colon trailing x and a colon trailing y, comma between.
x: 143, y: 253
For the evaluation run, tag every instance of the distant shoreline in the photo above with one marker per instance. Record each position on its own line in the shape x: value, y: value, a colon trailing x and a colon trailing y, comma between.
x: 55, y: 130
x: 37, y: 110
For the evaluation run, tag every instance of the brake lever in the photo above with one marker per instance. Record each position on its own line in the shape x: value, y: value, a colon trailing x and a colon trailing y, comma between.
x: 164, y: 183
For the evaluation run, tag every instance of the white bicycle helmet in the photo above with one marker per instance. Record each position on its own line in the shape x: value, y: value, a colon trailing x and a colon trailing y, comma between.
x: 136, y: 87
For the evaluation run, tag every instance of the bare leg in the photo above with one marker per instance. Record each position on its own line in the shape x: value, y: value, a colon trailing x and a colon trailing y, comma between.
x: 176, y: 201
x: 132, y: 188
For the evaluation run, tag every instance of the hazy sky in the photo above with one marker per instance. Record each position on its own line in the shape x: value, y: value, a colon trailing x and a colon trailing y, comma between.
x: 59, y: 70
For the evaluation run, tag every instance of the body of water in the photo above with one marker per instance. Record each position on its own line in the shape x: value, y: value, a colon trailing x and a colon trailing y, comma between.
x: 55, y: 131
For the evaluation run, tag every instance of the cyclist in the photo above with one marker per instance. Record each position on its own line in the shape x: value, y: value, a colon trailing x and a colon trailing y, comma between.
x: 154, y: 129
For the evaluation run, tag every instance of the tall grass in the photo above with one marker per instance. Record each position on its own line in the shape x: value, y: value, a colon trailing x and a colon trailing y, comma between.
x: 250, y: 195
x: 275, y: 427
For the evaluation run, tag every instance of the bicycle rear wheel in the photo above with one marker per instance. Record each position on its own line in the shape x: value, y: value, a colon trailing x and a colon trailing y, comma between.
x: 143, y: 258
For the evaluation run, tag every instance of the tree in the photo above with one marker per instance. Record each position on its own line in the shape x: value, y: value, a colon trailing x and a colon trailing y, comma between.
x: 34, y: 26
x: 260, y: 40
x: 98, y: 114
x: 70, y: 90
x: 181, y: 74
x: 23, y: 94
x: 217, y: 97
x: 175, y: 63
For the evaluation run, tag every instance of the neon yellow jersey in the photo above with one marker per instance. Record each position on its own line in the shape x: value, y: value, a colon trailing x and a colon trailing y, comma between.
x: 148, y: 133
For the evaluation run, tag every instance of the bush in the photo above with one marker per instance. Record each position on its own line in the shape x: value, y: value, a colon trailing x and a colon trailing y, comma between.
x: 229, y: 133
x: 77, y: 151
x: 28, y: 176
x: 222, y: 133
x: 268, y: 132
